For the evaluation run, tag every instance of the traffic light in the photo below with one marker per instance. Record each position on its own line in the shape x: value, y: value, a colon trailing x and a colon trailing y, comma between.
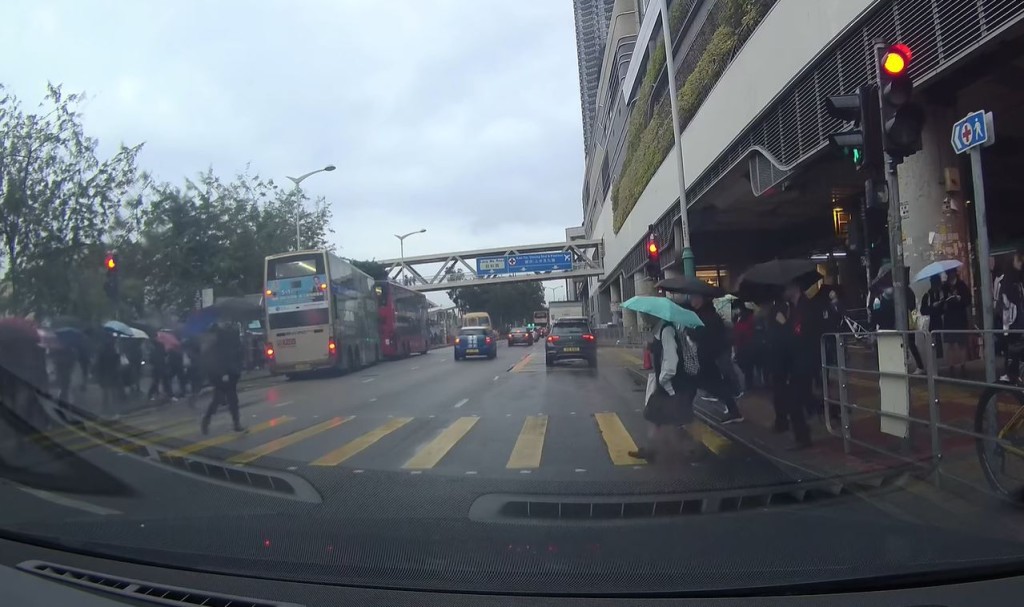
x: 653, y: 266
x: 111, y: 284
x: 862, y: 143
x: 902, y: 121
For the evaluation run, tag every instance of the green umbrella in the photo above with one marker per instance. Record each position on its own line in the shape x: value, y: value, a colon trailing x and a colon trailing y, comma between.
x: 665, y: 309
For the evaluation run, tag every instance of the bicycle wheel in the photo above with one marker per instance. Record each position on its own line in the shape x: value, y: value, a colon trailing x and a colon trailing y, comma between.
x: 1000, y: 418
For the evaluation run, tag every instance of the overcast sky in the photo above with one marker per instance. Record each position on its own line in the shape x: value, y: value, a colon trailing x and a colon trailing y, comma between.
x: 458, y: 116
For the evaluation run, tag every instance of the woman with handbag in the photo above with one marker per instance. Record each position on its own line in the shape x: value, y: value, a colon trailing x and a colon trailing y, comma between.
x: 671, y: 389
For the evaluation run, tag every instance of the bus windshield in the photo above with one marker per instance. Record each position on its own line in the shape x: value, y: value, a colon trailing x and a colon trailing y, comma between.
x: 296, y: 291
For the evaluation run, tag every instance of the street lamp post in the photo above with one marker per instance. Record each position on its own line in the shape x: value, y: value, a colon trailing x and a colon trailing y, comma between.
x: 689, y: 268
x: 297, y: 181
x: 401, y: 242
x: 553, y: 289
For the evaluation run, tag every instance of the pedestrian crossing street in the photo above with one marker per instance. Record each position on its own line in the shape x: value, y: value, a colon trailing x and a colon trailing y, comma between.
x: 467, y: 443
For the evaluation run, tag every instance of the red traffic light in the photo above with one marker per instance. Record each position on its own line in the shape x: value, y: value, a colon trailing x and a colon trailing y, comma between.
x: 652, y: 248
x: 110, y: 263
x: 896, y: 59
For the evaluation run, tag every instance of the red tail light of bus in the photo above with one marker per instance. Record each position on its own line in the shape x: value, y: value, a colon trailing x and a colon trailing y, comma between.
x: 332, y: 348
x: 269, y: 351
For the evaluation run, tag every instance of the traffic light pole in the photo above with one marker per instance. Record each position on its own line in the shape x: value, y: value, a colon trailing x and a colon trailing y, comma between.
x: 689, y: 266
x: 895, y: 220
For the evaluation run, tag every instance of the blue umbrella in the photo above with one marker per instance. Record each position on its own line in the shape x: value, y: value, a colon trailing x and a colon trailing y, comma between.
x: 665, y: 309
x: 116, y: 326
x: 71, y: 337
x: 937, y: 267
x: 199, y: 321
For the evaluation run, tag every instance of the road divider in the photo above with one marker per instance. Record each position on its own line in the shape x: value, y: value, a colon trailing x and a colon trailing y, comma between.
x: 518, y: 367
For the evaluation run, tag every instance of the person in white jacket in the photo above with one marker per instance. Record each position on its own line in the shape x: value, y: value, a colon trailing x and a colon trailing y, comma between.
x: 668, y: 400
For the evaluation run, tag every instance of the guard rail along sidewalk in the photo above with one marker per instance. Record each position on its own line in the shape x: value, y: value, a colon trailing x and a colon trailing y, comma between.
x: 954, y: 430
x: 622, y: 337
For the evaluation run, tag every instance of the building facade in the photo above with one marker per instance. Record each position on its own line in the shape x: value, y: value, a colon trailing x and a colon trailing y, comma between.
x: 761, y: 180
x: 592, y: 19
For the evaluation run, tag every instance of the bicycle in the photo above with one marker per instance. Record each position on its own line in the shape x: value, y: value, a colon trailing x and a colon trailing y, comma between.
x: 999, y: 418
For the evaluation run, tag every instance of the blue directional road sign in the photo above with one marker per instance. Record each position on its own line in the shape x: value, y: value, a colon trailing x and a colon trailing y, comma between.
x: 539, y: 262
x: 972, y: 131
x: 486, y: 266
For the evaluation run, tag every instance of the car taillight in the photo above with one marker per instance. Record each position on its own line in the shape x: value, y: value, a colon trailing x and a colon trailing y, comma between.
x: 510, y: 336
x: 588, y: 337
x: 487, y: 340
x: 269, y: 351
x: 458, y: 340
x: 552, y: 339
x: 332, y: 348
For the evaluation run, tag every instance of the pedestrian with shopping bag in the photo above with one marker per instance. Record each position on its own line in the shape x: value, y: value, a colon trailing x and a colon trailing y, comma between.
x: 672, y: 386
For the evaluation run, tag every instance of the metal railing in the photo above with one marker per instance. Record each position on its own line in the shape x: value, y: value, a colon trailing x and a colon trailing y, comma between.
x: 899, y: 428
x: 622, y: 337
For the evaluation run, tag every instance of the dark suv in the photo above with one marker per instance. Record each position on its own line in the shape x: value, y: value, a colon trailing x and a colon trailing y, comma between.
x: 571, y: 338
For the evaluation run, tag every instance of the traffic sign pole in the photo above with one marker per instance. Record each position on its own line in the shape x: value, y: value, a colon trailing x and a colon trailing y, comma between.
x: 973, y: 132
x: 983, y: 255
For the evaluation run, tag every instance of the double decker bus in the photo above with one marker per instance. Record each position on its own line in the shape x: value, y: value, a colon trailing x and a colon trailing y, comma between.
x: 403, y: 320
x: 320, y: 313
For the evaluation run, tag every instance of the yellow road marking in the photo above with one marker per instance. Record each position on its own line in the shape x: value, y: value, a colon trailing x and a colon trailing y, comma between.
x: 175, y: 430
x: 617, y: 439
x: 714, y: 441
x: 352, y: 448
x: 228, y: 437
x: 289, y: 439
x: 432, y: 452
x: 519, y: 365
x: 526, y: 453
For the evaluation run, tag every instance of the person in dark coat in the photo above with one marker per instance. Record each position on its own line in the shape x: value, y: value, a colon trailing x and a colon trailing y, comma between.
x: 1010, y: 305
x: 108, y: 372
x: 933, y: 307
x: 794, y: 348
x: 175, y: 371
x: 158, y: 370
x: 955, y: 318
x: 222, y: 360
x: 712, y: 342
x: 64, y: 358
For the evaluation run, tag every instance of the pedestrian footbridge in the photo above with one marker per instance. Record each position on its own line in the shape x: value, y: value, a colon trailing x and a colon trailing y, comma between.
x: 500, y: 265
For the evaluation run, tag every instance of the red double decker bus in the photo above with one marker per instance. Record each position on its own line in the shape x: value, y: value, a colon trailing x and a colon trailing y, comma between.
x: 403, y: 320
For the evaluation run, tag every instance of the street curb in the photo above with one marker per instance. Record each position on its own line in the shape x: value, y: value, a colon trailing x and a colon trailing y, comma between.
x: 639, y: 377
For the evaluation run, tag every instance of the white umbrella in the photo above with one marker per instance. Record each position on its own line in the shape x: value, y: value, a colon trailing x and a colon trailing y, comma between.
x: 937, y: 267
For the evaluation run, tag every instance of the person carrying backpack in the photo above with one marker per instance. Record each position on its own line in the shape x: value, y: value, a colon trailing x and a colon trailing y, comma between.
x: 669, y: 396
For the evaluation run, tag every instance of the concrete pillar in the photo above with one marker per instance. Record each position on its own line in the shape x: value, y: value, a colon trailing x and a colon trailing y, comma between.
x: 629, y: 318
x: 602, y: 306
x: 931, y: 229
x: 615, y: 301
x: 643, y: 286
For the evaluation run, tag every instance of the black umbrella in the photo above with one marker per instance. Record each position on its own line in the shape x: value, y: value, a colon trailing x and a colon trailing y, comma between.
x: 691, y: 286
x: 237, y: 309
x: 762, y: 281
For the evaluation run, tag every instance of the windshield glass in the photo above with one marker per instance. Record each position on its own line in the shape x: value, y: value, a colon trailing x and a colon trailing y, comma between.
x: 589, y: 297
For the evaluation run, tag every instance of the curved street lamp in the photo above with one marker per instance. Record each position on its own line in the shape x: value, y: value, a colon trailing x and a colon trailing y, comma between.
x: 297, y: 181
x: 401, y: 242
